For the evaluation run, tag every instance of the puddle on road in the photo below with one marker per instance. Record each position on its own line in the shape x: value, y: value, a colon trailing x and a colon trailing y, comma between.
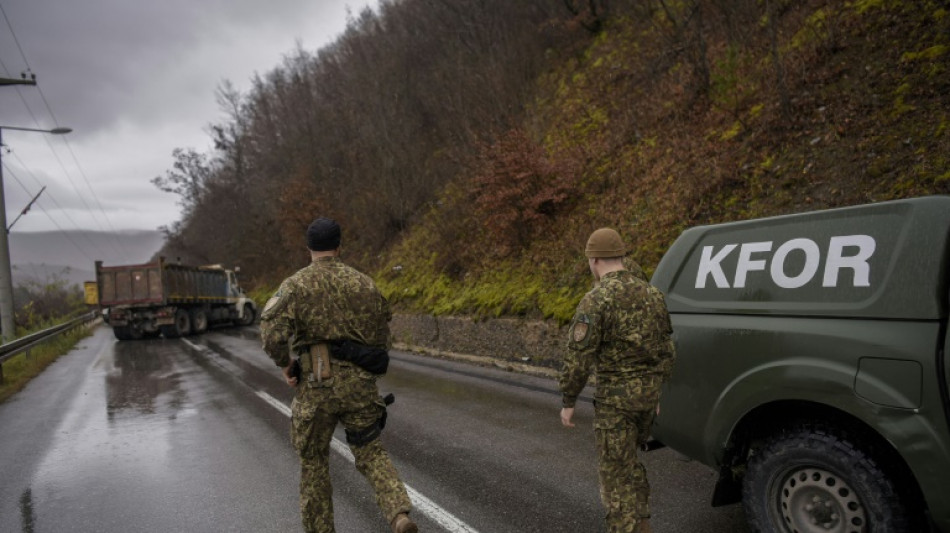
x: 142, y: 380
x: 149, y: 438
x: 115, y: 443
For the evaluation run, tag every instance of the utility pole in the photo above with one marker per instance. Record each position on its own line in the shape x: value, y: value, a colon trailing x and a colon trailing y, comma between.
x: 26, y: 209
x: 18, y: 81
x: 7, y: 322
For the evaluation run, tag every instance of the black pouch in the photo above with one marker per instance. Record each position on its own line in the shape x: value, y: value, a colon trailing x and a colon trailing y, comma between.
x: 373, y: 360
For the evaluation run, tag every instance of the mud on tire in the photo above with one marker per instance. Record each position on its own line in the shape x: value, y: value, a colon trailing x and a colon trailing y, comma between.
x: 815, y: 478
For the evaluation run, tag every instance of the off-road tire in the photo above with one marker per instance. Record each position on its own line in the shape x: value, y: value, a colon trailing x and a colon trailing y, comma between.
x: 199, y: 321
x: 180, y: 328
x: 817, y: 479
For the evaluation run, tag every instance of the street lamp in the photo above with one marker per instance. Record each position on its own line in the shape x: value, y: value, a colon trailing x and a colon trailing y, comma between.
x: 7, y: 324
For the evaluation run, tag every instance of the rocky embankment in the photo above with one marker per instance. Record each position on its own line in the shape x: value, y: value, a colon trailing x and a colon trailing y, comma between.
x: 529, y: 346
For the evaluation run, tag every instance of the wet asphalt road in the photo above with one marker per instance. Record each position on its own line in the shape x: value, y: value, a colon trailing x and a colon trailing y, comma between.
x: 191, y: 435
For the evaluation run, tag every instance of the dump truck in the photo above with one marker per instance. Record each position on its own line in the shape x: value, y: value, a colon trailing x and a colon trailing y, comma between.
x: 170, y: 299
x: 812, y: 368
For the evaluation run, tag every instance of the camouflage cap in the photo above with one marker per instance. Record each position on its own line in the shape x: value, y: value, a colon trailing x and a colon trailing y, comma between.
x: 605, y: 242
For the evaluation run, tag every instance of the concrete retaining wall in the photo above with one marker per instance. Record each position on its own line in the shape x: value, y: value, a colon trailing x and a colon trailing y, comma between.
x: 501, y: 341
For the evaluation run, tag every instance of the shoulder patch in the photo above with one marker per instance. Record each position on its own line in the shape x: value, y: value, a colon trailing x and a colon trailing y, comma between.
x: 580, y: 332
x: 580, y: 328
x: 273, y: 303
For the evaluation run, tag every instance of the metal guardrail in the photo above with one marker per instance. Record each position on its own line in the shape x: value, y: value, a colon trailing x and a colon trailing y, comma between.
x: 23, y: 344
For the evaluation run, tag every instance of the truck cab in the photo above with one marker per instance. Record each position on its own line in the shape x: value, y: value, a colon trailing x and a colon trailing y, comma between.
x: 811, y: 365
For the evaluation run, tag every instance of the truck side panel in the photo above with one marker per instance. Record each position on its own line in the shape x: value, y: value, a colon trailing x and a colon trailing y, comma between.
x: 729, y: 364
x: 195, y: 285
x: 874, y: 261
x: 806, y: 321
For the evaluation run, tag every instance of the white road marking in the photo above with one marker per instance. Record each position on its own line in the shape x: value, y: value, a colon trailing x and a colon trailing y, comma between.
x: 419, y: 502
x: 277, y: 404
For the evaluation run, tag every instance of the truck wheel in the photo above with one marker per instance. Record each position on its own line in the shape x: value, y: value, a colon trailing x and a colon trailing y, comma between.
x: 816, y: 479
x: 127, y: 333
x: 180, y: 328
x: 136, y: 332
x: 199, y: 321
x: 248, y: 318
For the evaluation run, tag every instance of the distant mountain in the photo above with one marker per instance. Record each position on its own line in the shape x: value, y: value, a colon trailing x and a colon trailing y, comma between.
x: 71, y: 255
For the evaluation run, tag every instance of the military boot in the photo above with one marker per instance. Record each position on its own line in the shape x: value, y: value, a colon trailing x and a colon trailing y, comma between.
x: 403, y: 524
x: 643, y: 526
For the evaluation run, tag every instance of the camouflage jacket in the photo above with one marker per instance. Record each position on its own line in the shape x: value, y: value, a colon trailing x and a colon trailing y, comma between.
x: 621, y: 328
x: 324, y: 301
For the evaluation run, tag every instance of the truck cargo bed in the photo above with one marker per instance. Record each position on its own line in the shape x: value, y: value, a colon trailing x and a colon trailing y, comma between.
x: 160, y: 283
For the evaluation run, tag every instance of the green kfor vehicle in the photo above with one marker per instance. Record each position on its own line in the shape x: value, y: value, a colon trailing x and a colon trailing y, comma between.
x: 811, y: 365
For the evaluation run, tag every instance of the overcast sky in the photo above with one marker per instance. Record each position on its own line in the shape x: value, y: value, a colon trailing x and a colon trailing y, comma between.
x: 134, y: 79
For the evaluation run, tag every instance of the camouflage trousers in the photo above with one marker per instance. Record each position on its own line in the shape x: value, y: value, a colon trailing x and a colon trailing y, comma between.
x: 622, y: 420
x: 349, y: 397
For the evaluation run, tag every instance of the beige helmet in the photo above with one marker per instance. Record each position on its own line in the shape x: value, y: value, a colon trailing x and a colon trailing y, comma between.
x: 605, y: 242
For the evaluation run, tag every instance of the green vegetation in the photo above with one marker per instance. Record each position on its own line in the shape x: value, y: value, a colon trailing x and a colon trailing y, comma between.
x: 261, y: 294
x: 468, y: 173
x: 42, y: 305
x: 867, y: 122
x: 20, y: 369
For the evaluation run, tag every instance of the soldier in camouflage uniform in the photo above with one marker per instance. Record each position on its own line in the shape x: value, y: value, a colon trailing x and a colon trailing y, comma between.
x: 330, y: 301
x: 622, y: 329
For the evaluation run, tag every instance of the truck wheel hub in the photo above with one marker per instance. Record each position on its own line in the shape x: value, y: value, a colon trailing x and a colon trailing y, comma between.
x: 815, y: 500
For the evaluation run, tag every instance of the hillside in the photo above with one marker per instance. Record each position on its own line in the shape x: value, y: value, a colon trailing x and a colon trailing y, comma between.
x: 71, y: 255
x: 860, y: 115
x: 468, y: 171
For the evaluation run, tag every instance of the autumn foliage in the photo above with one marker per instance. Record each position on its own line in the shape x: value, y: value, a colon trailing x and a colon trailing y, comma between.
x: 470, y: 147
x: 518, y: 191
x: 369, y: 129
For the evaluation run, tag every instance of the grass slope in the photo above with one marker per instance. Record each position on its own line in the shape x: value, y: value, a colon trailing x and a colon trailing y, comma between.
x: 866, y: 121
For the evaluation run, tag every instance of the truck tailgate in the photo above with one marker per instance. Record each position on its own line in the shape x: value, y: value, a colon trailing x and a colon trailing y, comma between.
x: 128, y: 285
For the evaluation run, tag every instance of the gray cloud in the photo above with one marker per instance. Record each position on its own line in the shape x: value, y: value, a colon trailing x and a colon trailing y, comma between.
x: 135, y: 79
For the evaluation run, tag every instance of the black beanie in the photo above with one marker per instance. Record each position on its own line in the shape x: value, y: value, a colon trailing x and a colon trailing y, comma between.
x: 323, y: 234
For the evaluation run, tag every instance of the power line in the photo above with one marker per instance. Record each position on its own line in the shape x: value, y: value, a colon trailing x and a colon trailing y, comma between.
x: 86, y: 179
x: 119, y: 250
x: 52, y: 199
x: 20, y: 94
x: 120, y: 247
x: 17, y: 41
x: 58, y: 206
x: 41, y: 208
x: 63, y: 167
x: 72, y: 183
